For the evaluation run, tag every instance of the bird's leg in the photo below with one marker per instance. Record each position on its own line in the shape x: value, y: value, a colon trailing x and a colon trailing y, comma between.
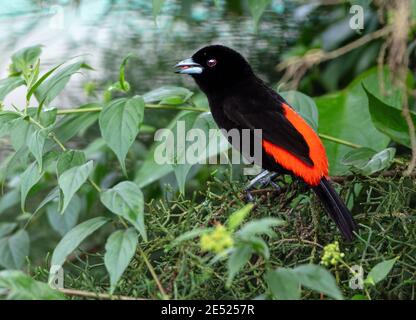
x: 263, y: 179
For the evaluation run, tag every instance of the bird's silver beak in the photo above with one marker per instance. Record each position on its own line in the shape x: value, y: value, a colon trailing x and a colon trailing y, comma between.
x: 188, y: 66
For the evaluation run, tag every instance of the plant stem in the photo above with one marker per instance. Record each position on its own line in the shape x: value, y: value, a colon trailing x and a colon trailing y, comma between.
x: 63, y: 148
x: 148, y: 106
x: 154, y: 275
x: 89, y: 294
x: 339, y: 141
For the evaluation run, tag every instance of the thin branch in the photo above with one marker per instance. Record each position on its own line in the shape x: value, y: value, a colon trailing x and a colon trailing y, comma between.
x: 89, y: 294
x: 147, y: 106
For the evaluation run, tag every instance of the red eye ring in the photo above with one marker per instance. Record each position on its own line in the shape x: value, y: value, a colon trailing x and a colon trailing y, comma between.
x: 211, y: 63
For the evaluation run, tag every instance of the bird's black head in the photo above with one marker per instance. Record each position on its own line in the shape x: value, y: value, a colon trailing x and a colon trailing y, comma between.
x: 215, y: 68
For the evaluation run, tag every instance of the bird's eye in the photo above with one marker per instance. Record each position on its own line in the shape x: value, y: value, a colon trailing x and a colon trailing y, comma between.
x: 211, y: 63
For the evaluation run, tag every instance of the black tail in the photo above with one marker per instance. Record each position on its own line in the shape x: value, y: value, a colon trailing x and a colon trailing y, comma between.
x: 336, y: 209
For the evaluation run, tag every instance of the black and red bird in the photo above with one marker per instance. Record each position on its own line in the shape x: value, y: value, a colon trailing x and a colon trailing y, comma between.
x: 240, y: 100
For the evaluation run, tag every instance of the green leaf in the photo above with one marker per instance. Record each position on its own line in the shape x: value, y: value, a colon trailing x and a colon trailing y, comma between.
x: 52, y: 195
x: 304, y: 105
x: 156, y: 7
x: 126, y: 200
x: 259, y: 246
x: 51, y: 87
x: 151, y: 171
x: 238, y: 216
x: 260, y: 226
x: 238, y: 258
x: 119, y: 250
x: 14, y: 250
x: 257, y: 7
x: 35, y: 144
x: 20, y: 286
x: 380, y: 161
x: 345, y: 115
x: 73, y: 239
x: 358, y: 157
x: 38, y: 83
x: 71, y: 180
x: 24, y: 59
x: 318, y: 279
x: 389, y: 119
x: 6, y: 228
x: 367, y: 161
x: 283, y: 284
x: 380, y: 271
x: 74, y: 124
x: 188, y: 236
x: 28, y: 179
x: 20, y: 133
x: 166, y: 92
x: 119, y: 124
x: 64, y: 222
x: 8, y: 85
x: 124, y: 85
x: 6, y: 121
x: 9, y: 200
x: 205, y: 144
x: 69, y: 159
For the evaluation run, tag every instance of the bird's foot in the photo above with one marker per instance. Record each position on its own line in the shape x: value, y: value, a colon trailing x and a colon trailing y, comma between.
x: 264, y: 179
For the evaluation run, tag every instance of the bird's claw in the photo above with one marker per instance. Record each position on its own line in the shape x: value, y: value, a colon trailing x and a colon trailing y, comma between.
x: 265, y: 178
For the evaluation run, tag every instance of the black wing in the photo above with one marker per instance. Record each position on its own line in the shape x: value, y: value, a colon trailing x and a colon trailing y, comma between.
x: 275, y: 127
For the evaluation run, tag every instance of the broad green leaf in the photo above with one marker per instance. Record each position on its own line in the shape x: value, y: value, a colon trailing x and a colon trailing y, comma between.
x: 24, y: 59
x: 166, y: 92
x: 69, y: 159
x: 258, y: 227
x: 380, y: 271
x: 20, y: 286
x: 259, y: 246
x: 14, y: 250
x: 48, y: 117
x: 237, y: 217
x: 28, y: 179
x: 389, y: 119
x: 172, y: 101
x: 51, y: 87
x: 73, y: 239
x: 367, y: 161
x: 8, y: 85
x: 20, y: 133
x: 74, y: 124
x: 119, y: 124
x: 6, y: 228
x: 71, y: 180
x: 119, y: 250
x: 52, y: 195
x: 151, y: 170
x: 283, y: 284
x: 238, y: 258
x: 257, y: 7
x: 318, y: 279
x: 345, y: 115
x: 304, y: 105
x: 35, y: 144
x: 9, y: 200
x: 380, y: 161
x: 64, y: 222
x: 358, y: 157
x: 205, y: 142
x: 6, y: 121
x: 126, y: 200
